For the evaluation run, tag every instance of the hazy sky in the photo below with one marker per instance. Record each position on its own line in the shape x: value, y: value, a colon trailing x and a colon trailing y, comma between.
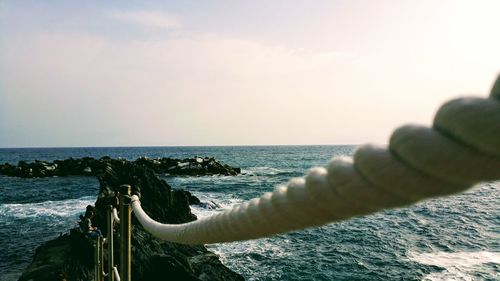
x: 109, y: 73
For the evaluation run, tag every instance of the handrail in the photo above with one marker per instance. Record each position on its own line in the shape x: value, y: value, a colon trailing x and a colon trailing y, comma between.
x: 125, y: 233
x: 460, y: 150
x: 99, y: 259
x: 112, y: 273
x: 110, y: 242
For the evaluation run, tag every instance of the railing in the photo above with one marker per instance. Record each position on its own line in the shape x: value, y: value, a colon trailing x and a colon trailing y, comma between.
x: 462, y: 149
x: 113, y: 274
x: 110, y: 242
x: 99, y: 259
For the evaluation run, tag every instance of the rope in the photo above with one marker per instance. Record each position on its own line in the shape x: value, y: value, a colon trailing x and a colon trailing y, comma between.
x: 115, y: 215
x: 462, y: 149
x: 115, y: 271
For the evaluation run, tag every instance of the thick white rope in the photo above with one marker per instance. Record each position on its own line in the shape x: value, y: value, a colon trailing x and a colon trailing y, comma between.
x: 462, y: 149
x: 115, y: 216
x: 115, y: 272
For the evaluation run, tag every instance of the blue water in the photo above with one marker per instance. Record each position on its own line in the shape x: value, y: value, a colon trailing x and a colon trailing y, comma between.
x: 455, y: 238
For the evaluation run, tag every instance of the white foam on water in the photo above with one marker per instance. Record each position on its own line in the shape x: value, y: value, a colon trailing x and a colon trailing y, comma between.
x: 245, y: 256
x: 262, y: 171
x: 240, y: 256
x: 454, y: 274
x: 64, y: 208
x: 265, y: 247
x: 225, y: 203
x: 200, y: 181
x: 457, y: 265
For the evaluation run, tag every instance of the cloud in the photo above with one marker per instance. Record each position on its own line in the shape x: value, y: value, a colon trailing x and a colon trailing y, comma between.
x: 153, y: 19
x: 67, y: 87
x: 202, y: 89
x: 188, y: 90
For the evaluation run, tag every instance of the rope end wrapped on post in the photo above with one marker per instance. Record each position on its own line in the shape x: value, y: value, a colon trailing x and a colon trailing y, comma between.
x: 460, y: 150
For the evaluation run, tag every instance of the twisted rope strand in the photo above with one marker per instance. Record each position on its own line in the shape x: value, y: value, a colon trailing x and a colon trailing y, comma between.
x: 115, y: 215
x: 462, y: 149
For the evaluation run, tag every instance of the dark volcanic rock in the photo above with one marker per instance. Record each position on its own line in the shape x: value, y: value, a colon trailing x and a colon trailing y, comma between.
x: 88, y: 166
x: 193, y: 200
x: 69, y: 254
x: 152, y: 259
x: 196, y: 166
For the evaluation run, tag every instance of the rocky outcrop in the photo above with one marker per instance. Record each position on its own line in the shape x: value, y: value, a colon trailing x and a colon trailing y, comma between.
x: 152, y: 259
x: 88, y: 166
x: 196, y: 166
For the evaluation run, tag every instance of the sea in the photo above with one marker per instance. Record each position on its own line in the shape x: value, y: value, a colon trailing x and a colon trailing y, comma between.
x: 452, y: 238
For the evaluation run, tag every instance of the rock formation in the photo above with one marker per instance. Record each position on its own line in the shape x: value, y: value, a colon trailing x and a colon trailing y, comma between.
x: 88, y: 166
x: 152, y: 259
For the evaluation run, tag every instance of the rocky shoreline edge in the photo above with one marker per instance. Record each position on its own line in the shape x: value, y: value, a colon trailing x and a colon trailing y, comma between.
x: 88, y: 166
x: 152, y: 259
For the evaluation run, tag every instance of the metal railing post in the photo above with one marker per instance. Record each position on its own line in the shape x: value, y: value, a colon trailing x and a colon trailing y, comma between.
x: 109, y: 239
x: 125, y: 233
x: 96, y: 261
x: 101, y: 258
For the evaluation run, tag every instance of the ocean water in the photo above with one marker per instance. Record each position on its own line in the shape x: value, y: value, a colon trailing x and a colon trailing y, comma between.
x: 453, y: 238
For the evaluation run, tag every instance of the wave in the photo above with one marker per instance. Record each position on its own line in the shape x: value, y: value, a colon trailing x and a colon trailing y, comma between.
x: 64, y: 208
x: 225, y: 202
x: 254, y: 248
x: 457, y: 265
x: 262, y: 171
x: 242, y: 256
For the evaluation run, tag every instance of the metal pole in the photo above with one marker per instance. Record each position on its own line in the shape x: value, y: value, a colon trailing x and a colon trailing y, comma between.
x: 109, y: 239
x: 101, y: 258
x: 98, y: 257
x: 96, y: 260
x: 125, y: 233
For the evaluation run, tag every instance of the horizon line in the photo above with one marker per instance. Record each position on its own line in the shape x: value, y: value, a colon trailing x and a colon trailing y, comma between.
x: 157, y: 146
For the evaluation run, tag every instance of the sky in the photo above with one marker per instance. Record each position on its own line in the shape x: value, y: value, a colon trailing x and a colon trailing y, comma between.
x: 168, y: 73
